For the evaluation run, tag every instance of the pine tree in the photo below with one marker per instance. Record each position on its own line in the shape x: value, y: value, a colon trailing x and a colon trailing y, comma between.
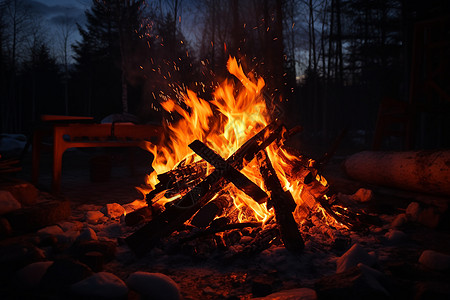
x: 41, y: 83
x: 102, y: 56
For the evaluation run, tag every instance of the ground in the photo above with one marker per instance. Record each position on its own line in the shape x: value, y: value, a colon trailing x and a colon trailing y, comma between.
x: 221, y: 275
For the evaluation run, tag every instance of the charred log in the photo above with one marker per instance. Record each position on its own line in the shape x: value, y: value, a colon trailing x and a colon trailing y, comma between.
x: 207, y: 213
x: 263, y: 240
x: 284, y: 205
x: 230, y: 173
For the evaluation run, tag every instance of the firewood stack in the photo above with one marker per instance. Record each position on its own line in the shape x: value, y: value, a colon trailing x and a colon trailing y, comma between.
x: 204, y: 197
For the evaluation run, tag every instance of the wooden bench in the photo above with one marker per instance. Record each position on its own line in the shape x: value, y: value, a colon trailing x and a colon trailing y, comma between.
x: 77, y: 135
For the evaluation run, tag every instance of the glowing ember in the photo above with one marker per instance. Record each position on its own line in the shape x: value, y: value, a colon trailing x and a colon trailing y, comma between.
x: 237, y: 112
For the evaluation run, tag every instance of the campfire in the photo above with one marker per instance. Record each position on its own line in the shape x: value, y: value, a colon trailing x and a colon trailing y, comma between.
x: 228, y: 191
x: 224, y: 164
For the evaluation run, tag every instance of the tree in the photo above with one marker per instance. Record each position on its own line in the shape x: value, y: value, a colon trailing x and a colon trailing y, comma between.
x: 41, y: 83
x: 65, y: 32
x: 17, y: 27
x: 102, y: 55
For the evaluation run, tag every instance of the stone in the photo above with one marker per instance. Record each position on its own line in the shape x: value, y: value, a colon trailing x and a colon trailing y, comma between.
x: 68, y: 237
x: 435, y: 260
x: 355, y: 255
x: 413, y: 211
x: 70, y: 226
x: 24, y: 192
x: 8, y: 203
x: 360, y: 282
x: 399, y: 221
x: 113, y: 210
x: 102, y: 284
x: 63, y: 273
x: 88, y: 234
x: 93, y: 216
x: 395, y: 236
x: 53, y: 230
x: 154, y: 286
x: 55, y: 236
x: 362, y: 195
x: 29, y: 277
x: 294, y: 294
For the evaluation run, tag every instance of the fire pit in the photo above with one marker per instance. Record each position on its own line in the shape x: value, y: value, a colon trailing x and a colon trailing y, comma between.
x: 255, y: 177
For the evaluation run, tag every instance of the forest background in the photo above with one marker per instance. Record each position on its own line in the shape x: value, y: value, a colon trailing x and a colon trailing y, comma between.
x: 329, y: 62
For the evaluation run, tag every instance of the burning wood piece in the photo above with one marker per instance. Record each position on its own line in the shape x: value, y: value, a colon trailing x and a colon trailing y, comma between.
x: 301, y: 169
x: 352, y: 219
x: 182, y: 187
x: 263, y: 240
x: 182, y: 210
x: 173, y: 178
x: 313, y: 191
x: 230, y: 173
x: 183, y: 172
x: 207, y: 213
x: 338, y: 217
x: 284, y: 205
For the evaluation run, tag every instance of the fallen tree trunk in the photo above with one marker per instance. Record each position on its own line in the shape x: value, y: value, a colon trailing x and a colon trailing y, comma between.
x: 421, y: 171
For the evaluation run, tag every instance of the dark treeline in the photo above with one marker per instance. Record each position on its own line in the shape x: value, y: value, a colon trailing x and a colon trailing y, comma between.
x: 329, y: 61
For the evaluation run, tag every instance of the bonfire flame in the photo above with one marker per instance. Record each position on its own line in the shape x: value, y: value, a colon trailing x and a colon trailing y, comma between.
x: 237, y: 112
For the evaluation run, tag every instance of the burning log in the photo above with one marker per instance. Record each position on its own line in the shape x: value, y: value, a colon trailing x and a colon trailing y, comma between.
x: 183, y: 172
x: 171, y: 179
x: 182, y: 210
x: 284, y: 205
x: 263, y: 240
x: 420, y: 171
x: 230, y: 173
x: 207, y: 213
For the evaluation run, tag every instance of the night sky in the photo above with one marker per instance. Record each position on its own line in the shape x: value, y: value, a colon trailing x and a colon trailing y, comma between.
x: 55, y: 13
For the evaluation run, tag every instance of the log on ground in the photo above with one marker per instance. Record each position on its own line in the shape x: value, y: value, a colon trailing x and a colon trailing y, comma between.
x: 420, y: 171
